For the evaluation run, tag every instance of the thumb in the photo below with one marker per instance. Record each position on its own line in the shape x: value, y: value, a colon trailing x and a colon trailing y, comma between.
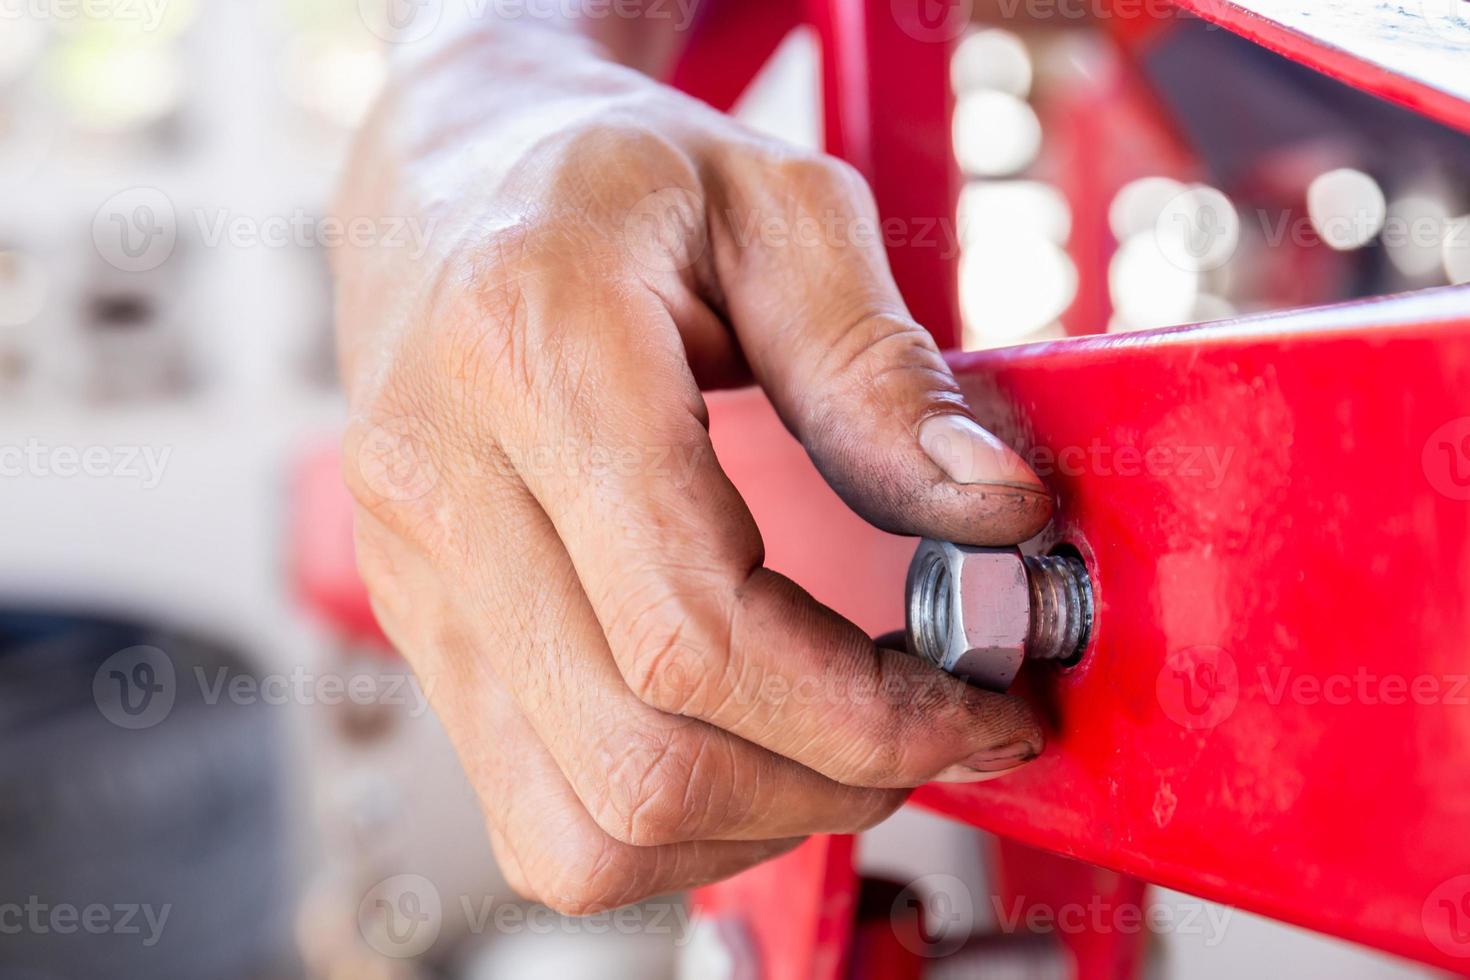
x: 862, y: 385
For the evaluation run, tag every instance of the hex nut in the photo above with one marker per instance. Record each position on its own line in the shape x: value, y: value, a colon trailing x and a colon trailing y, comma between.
x: 969, y: 611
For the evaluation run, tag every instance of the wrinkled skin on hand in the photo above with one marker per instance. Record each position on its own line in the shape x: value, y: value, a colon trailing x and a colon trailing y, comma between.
x: 542, y: 524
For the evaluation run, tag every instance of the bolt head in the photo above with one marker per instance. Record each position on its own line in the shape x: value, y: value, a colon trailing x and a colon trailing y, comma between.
x: 969, y: 611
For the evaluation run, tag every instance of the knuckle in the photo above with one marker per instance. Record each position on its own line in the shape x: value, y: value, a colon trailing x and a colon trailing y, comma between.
x: 673, y: 645
x: 877, y: 345
x: 580, y: 159
x: 484, y: 339
x: 382, y: 566
x: 881, y: 361
x: 664, y: 672
x: 648, y: 796
x: 528, y: 338
x: 392, y: 460
x: 590, y: 873
x: 817, y: 176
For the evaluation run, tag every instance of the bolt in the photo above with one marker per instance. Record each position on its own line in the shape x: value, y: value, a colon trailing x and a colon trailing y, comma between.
x: 1061, y: 607
x: 979, y: 612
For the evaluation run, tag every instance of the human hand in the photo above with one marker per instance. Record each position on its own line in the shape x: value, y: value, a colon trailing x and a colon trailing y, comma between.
x: 607, y: 651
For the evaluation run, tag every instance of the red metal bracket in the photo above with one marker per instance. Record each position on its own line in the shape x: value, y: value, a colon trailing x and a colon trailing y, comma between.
x: 1276, y: 514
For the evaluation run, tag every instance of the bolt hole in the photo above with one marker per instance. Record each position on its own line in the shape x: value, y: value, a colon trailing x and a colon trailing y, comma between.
x: 931, y: 610
x: 1083, y: 582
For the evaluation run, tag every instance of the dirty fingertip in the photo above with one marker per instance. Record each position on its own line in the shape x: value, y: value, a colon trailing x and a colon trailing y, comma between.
x: 990, y: 763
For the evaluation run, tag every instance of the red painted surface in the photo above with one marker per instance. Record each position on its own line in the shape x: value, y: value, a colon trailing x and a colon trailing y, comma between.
x: 1309, y: 524
x: 888, y: 105
x: 1324, y: 53
x: 323, y: 562
x: 1089, y: 910
x: 1218, y: 738
x: 797, y: 911
x: 889, y: 933
x: 730, y: 43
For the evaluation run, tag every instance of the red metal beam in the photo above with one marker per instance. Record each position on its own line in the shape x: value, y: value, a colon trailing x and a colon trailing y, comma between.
x: 792, y: 918
x: 729, y: 45
x: 888, y: 105
x: 1412, y: 53
x: 1275, y: 515
x: 1275, y: 713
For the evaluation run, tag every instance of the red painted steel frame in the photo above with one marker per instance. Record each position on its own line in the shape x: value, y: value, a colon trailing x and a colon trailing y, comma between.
x: 1274, y: 713
x: 1330, y: 55
x: 1027, y: 881
x: 888, y: 105
x: 1239, y: 730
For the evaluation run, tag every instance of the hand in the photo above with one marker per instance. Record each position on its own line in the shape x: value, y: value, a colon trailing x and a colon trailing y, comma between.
x: 543, y: 526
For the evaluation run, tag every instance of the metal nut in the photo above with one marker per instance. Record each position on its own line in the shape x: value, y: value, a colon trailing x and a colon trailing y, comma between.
x: 969, y: 611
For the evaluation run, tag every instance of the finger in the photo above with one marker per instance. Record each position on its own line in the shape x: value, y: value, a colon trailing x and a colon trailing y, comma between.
x: 646, y: 776
x: 547, y: 843
x: 563, y: 859
x: 670, y: 559
x: 864, y: 388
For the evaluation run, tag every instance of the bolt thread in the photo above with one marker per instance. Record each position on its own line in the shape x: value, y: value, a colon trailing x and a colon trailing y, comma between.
x: 929, y: 611
x: 1061, y: 607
